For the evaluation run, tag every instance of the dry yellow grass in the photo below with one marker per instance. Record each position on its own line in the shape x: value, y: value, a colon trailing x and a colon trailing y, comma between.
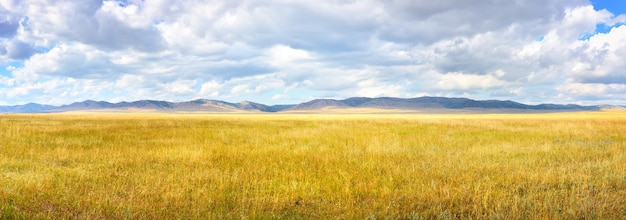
x: 198, y: 166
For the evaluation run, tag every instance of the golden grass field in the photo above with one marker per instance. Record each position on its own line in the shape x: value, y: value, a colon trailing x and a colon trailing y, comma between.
x: 346, y: 166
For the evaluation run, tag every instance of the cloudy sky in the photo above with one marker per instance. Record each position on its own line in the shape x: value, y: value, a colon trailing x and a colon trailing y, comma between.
x: 289, y: 51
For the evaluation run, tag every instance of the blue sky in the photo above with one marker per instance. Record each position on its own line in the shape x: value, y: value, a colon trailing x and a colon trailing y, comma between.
x: 283, y: 51
x: 614, y: 6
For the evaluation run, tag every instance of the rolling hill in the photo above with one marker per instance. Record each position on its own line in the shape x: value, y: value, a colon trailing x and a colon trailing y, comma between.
x: 427, y: 104
x: 432, y: 103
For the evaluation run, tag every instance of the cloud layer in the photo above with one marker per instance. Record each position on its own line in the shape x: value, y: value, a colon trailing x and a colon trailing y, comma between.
x: 285, y: 51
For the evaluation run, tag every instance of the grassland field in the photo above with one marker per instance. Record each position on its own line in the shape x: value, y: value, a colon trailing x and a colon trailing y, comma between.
x: 337, y: 166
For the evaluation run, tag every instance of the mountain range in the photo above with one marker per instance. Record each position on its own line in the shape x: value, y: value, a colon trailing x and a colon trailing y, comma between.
x: 426, y: 104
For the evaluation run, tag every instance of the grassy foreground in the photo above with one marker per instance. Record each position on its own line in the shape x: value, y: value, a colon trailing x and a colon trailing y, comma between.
x: 170, y: 166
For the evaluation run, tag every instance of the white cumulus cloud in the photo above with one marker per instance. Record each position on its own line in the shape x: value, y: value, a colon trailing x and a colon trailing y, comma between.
x: 61, y: 51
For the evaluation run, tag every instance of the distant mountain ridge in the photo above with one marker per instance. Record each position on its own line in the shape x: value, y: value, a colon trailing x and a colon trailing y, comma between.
x: 207, y: 105
x: 201, y: 105
x: 427, y: 102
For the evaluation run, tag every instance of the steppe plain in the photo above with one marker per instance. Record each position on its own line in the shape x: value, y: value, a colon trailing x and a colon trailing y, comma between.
x: 146, y: 165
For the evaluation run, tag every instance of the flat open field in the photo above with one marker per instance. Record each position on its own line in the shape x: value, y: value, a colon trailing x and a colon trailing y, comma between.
x: 170, y: 166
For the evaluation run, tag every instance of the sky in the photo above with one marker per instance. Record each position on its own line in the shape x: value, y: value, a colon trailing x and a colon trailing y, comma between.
x: 290, y: 51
